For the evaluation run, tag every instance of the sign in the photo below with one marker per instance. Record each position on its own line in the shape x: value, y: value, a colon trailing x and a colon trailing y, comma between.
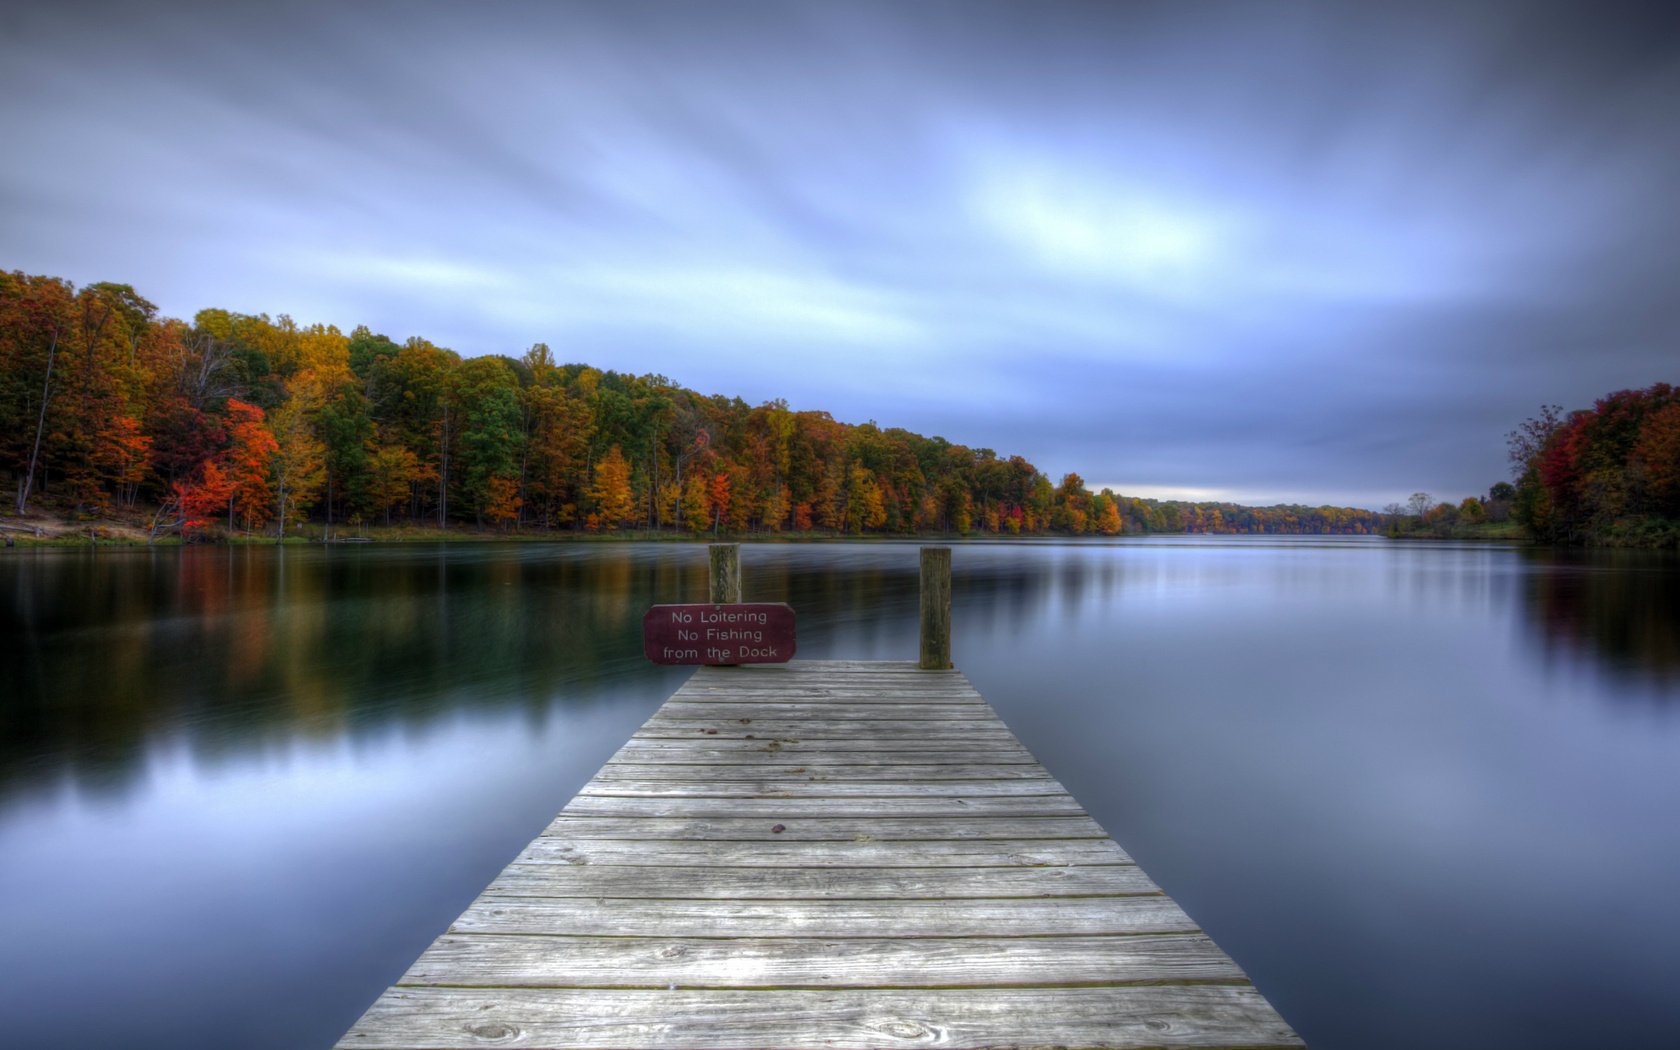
x: 744, y: 633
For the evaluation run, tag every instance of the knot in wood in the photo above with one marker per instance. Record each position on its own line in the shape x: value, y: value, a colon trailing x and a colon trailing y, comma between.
x: 906, y: 1029
x: 495, y: 1033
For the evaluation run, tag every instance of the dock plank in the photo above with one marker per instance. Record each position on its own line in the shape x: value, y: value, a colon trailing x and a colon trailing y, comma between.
x: 794, y: 786
x: 1010, y: 917
x: 788, y: 771
x: 806, y: 883
x: 515, y: 961
x: 1123, y: 1017
x: 824, y: 829
x: 850, y: 853
x: 823, y: 854
x: 787, y: 809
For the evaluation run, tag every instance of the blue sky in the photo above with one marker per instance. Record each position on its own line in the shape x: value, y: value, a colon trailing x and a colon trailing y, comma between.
x: 1266, y: 252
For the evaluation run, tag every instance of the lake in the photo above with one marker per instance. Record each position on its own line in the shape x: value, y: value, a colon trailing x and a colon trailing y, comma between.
x: 1426, y: 794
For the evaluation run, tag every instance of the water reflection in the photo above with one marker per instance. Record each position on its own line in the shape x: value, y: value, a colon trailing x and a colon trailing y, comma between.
x: 235, y: 644
x: 1620, y: 609
x: 296, y: 765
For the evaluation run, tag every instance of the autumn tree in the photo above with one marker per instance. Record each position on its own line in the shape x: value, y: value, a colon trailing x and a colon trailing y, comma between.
x: 246, y: 462
x: 865, y: 508
x: 610, y: 494
x: 1655, y: 458
x: 35, y: 315
x: 1105, y: 514
x: 298, y: 465
x: 392, y: 472
x: 718, y: 496
x: 502, y: 501
x: 696, y: 503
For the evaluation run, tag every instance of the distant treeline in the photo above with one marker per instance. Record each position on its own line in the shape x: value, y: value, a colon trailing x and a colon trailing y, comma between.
x: 237, y: 422
x: 1603, y: 476
x: 1609, y: 474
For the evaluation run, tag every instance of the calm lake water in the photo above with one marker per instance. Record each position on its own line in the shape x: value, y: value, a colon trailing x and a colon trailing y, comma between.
x: 1428, y: 795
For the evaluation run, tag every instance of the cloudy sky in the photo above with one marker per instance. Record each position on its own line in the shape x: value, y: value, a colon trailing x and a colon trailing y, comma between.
x: 1266, y: 252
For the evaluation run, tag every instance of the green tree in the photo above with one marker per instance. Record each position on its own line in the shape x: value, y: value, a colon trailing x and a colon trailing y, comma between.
x: 492, y: 435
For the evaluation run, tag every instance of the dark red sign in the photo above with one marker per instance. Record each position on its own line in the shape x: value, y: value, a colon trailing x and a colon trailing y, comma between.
x: 747, y: 633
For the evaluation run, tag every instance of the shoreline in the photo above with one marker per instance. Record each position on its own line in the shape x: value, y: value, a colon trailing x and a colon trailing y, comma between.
x: 58, y: 532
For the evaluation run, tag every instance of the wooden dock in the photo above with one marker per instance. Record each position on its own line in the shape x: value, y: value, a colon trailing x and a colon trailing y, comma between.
x: 822, y: 855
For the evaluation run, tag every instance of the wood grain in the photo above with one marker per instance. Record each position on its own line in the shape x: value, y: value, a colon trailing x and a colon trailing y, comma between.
x: 791, y: 809
x: 710, y: 882
x: 519, y: 961
x: 1012, y: 917
x: 1156, y: 1017
x: 864, y: 853
x: 808, y: 786
x: 859, y: 770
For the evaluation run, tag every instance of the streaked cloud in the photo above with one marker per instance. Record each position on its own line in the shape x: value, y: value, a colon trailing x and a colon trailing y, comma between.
x: 1279, y: 251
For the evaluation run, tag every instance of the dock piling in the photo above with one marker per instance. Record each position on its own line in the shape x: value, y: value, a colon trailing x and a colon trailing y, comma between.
x: 936, y: 609
x: 725, y: 573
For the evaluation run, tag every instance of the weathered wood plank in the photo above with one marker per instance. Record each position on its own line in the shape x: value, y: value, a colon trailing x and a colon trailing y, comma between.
x: 1147, y: 1016
x: 780, y: 772
x: 875, y: 744
x: 826, y: 829
x: 1010, y: 917
x: 868, y: 853
x: 794, y: 809
x: 770, y: 709
x: 877, y: 695
x: 734, y: 755
x: 521, y: 961
x: 826, y: 728
x: 791, y: 786
x: 751, y: 679
x: 813, y: 883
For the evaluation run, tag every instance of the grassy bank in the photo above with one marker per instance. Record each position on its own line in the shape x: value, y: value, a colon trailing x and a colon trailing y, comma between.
x: 1484, y: 531
x: 133, y: 530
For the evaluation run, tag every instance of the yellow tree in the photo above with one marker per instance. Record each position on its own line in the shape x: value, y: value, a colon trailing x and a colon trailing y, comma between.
x: 392, y: 472
x: 696, y: 505
x: 611, y: 491
x: 299, y: 463
x: 1105, y: 515
x: 865, y: 508
x: 775, y: 507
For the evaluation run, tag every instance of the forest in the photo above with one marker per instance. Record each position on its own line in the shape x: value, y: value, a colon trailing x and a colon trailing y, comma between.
x: 237, y: 425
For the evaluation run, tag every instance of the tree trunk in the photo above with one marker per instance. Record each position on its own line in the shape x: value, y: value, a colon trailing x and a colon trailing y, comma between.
x: 443, y: 473
x: 40, y: 428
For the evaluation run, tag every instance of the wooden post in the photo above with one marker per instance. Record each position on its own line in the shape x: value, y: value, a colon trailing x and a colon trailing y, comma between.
x: 725, y: 575
x: 936, y: 608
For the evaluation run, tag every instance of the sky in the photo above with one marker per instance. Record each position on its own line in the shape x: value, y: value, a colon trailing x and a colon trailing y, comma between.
x: 1265, y: 252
